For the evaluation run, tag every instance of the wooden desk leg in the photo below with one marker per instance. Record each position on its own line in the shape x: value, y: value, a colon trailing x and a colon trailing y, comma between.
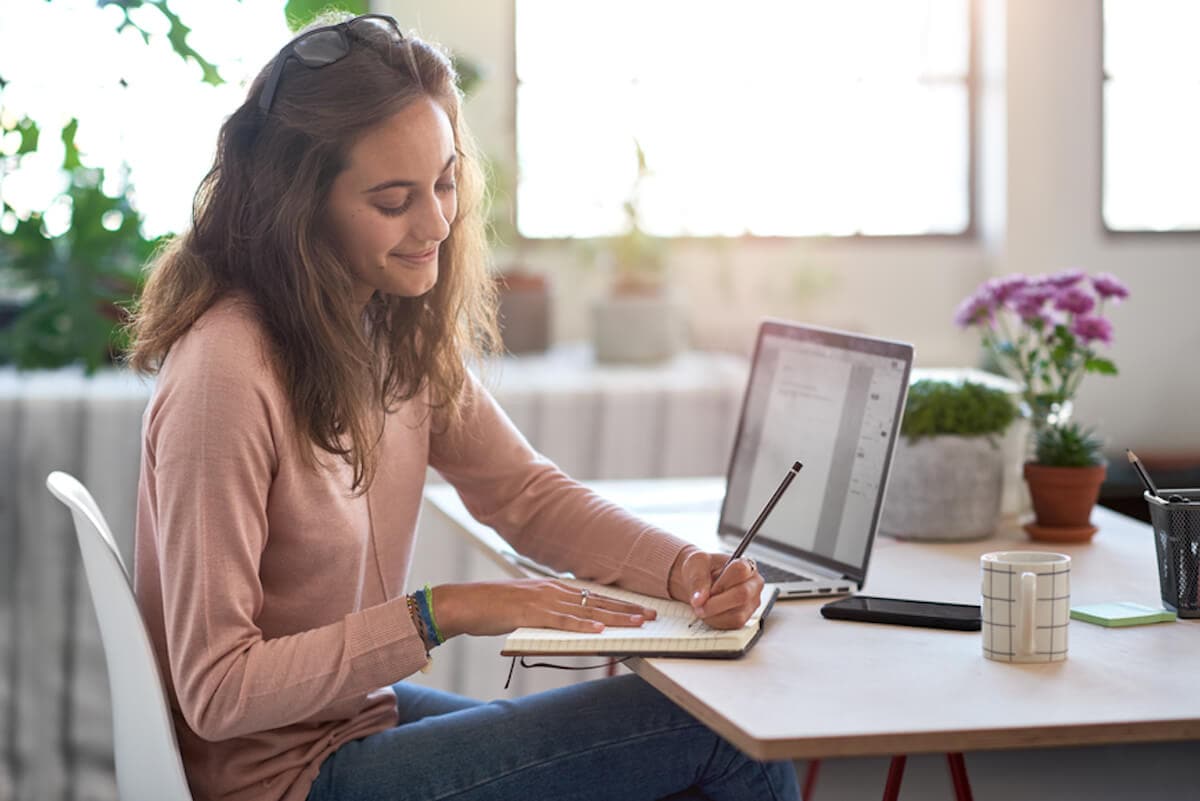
x: 891, y: 791
x: 958, y: 773
x: 810, y: 778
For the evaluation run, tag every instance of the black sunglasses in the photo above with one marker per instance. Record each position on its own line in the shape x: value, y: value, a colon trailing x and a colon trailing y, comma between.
x: 321, y: 47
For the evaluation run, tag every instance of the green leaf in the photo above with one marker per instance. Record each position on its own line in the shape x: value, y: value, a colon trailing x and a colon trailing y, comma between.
x: 1096, y: 364
x: 177, y: 36
x: 71, y: 155
x: 30, y: 132
x: 301, y: 12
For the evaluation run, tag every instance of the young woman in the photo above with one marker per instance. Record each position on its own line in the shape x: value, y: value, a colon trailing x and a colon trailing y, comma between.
x: 309, y: 334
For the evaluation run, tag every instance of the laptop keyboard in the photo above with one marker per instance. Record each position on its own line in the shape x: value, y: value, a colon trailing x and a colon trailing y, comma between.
x: 773, y: 574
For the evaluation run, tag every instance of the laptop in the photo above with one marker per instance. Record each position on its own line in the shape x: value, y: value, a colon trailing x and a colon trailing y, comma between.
x: 832, y: 400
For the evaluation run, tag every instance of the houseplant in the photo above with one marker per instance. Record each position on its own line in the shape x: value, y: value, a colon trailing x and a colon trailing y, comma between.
x: 947, y: 480
x: 639, y: 320
x: 1064, y: 483
x: 1045, y: 331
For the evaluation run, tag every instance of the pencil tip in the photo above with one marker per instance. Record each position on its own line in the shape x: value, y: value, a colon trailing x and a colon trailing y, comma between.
x: 1130, y: 455
x: 796, y: 465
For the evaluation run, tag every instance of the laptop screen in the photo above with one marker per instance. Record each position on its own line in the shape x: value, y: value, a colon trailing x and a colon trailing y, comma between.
x: 833, y: 401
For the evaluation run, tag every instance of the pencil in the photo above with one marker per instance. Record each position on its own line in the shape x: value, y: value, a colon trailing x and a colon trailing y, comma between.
x: 1142, y: 474
x: 758, y: 523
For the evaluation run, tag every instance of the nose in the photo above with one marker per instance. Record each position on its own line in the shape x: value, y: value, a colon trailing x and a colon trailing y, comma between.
x: 431, y: 220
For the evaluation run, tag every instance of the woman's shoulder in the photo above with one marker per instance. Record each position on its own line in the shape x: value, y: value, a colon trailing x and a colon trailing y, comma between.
x: 228, y: 338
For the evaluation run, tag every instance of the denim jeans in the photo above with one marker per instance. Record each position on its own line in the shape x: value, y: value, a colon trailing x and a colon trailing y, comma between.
x: 615, y: 739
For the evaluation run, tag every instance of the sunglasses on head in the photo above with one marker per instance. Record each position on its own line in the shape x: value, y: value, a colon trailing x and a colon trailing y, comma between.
x: 321, y: 47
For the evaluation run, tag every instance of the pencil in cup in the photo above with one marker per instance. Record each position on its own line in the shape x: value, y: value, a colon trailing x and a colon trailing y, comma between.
x: 1175, y: 517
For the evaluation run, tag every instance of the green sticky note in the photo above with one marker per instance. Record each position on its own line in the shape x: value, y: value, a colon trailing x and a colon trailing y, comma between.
x: 1121, y: 613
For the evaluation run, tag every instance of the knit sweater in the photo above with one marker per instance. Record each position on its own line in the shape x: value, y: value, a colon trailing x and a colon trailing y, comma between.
x: 274, y: 596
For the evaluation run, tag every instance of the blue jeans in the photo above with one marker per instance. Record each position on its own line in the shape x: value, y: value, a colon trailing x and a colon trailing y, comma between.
x: 615, y: 738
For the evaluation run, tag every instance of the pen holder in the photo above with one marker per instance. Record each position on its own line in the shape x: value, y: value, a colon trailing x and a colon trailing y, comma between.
x: 1177, y: 545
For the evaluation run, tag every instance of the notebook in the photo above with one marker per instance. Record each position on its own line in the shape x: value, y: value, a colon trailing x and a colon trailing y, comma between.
x: 674, y: 632
x: 834, y: 401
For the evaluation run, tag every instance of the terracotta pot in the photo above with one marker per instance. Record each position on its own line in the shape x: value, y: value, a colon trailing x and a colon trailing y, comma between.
x: 1063, y: 498
x: 524, y: 311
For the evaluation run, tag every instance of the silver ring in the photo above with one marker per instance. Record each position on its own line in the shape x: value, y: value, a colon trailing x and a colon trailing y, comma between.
x: 583, y: 597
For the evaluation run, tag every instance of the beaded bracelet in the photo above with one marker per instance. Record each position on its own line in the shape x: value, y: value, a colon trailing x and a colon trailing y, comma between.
x: 425, y: 608
x: 414, y: 611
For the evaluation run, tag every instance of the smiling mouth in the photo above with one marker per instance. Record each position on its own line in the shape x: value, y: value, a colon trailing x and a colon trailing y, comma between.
x: 424, y: 257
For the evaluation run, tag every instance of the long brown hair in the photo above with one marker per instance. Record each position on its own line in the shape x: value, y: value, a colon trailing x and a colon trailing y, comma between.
x: 257, y: 232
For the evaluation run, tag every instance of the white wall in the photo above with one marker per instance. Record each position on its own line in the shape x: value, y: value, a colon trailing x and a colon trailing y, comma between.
x: 1039, y: 211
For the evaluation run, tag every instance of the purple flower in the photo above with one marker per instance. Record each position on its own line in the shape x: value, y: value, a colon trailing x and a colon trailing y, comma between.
x: 1090, y: 329
x: 1029, y: 300
x: 1074, y: 300
x: 1066, y: 278
x: 1109, y: 286
x: 975, y: 309
x: 1003, y: 289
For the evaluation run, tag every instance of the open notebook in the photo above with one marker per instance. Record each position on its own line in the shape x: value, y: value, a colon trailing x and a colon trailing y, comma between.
x: 669, y: 634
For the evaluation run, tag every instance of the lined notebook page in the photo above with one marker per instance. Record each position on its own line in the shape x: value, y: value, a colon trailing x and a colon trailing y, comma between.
x: 670, y: 632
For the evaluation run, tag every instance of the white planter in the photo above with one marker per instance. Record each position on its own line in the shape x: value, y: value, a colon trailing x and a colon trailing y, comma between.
x: 637, y: 328
x: 944, y: 488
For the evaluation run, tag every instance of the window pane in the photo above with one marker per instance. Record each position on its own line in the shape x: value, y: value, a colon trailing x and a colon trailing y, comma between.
x: 1151, y: 115
x: 785, y: 119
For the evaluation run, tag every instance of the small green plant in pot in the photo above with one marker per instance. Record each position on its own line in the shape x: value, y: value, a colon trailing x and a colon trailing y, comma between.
x: 947, y: 481
x: 1064, y: 483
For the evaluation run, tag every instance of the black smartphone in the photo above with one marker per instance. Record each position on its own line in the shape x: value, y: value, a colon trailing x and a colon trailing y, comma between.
x: 931, y: 614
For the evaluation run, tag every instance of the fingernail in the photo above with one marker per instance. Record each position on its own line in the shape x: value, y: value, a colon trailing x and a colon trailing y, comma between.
x: 696, y: 596
x: 597, y: 626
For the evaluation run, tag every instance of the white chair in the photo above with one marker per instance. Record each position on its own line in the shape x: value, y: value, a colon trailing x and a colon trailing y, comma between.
x: 147, y: 755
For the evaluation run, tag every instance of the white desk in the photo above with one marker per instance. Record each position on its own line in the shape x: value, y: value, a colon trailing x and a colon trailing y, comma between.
x: 816, y: 688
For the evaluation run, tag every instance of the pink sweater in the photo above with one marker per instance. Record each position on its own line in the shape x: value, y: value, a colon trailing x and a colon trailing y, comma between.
x: 275, y: 599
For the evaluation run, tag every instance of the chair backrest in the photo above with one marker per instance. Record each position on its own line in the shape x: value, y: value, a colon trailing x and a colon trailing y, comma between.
x: 144, y: 745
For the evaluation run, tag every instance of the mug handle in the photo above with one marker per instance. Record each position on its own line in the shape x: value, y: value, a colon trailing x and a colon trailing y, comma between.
x: 1026, y: 609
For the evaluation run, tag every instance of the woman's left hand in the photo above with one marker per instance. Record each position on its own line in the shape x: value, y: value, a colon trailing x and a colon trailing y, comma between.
x: 727, y: 604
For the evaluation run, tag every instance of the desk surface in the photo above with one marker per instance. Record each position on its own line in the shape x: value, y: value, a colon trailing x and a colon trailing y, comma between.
x: 816, y: 688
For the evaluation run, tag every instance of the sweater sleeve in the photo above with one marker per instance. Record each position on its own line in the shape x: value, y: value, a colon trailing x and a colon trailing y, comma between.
x: 539, y: 510
x: 213, y: 441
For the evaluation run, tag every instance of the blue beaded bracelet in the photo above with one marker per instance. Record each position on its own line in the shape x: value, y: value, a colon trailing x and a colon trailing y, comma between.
x: 425, y: 607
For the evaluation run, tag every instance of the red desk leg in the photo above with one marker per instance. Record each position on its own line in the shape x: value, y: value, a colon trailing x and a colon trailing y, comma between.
x: 891, y: 791
x: 958, y: 773
x: 810, y: 778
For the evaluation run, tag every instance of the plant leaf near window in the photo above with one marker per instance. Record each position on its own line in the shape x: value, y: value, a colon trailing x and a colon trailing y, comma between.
x: 72, y: 282
x: 79, y: 277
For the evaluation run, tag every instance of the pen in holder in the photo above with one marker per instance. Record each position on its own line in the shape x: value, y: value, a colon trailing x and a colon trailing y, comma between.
x: 1175, y: 515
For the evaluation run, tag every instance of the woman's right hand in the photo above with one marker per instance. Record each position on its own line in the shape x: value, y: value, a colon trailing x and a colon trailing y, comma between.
x: 498, y: 607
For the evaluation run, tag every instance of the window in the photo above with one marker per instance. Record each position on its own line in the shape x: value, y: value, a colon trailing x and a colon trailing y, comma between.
x: 760, y: 118
x: 138, y: 104
x: 1151, y: 168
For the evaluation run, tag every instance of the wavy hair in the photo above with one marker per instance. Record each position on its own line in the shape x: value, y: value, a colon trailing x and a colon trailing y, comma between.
x: 257, y: 233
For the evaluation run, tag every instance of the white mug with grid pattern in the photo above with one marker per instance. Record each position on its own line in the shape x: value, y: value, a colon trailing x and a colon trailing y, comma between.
x: 1026, y: 605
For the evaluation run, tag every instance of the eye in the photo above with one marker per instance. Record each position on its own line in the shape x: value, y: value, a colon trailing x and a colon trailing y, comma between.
x: 446, y: 186
x: 395, y: 211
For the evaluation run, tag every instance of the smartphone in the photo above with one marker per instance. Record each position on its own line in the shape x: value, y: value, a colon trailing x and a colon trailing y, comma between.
x: 931, y: 614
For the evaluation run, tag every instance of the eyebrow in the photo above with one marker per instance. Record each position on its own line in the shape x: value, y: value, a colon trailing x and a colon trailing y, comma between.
x: 397, y: 182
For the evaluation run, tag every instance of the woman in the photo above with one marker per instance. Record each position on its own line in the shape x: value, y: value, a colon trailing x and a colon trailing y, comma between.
x: 309, y: 334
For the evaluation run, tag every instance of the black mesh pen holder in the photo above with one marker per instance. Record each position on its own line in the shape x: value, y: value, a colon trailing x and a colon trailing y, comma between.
x: 1175, y: 515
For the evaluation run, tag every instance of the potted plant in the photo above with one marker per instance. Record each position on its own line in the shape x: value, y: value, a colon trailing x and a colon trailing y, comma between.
x: 1045, y: 331
x: 947, y: 481
x: 1064, y: 483
x: 639, y: 320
